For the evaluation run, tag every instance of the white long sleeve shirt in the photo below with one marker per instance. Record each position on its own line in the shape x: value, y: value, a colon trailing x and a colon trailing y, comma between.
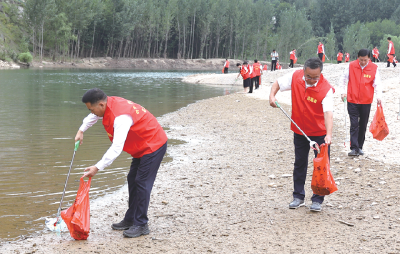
x: 122, y: 124
x: 285, y: 84
x: 344, y: 80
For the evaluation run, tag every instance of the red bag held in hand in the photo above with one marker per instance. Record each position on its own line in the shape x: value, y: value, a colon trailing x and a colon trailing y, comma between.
x: 77, y: 217
x: 322, y: 182
x: 378, y: 127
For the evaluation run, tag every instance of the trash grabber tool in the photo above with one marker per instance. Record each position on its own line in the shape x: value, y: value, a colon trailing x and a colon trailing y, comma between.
x: 313, y: 144
x: 58, y: 224
x: 345, y: 122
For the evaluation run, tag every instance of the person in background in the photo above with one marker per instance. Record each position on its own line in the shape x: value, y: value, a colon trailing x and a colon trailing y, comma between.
x: 312, y: 111
x: 133, y: 129
x: 257, y: 73
x: 245, y: 72
x: 390, y: 52
x: 278, y: 66
x: 346, y: 57
x: 320, y: 50
x: 274, y: 57
x: 375, y: 55
x: 292, y: 57
x: 339, y: 57
x: 359, y: 81
x: 226, y: 66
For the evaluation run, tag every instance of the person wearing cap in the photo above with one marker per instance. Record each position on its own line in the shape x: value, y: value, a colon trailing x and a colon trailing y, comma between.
x: 312, y: 111
x: 358, y: 83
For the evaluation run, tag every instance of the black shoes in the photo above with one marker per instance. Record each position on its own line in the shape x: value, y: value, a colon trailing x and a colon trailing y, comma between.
x: 136, y: 231
x: 123, y: 225
x: 360, y: 152
x: 353, y: 153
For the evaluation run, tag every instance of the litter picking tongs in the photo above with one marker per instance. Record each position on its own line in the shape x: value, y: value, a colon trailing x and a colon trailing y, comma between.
x: 313, y: 144
x: 58, y: 224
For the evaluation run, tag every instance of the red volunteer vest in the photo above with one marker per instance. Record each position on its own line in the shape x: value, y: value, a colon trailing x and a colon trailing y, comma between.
x: 292, y: 55
x: 227, y: 64
x: 360, y: 89
x: 320, y: 47
x: 307, y: 111
x: 257, y: 69
x: 245, y: 72
x: 392, y: 51
x: 145, y: 135
x: 347, y: 58
x: 265, y: 67
x: 340, y: 56
x: 375, y: 53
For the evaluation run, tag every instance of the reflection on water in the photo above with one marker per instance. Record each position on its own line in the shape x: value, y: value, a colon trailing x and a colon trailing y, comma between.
x: 39, y: 115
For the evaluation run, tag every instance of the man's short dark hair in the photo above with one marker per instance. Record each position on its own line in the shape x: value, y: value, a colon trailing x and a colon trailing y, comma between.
x: 245, y: 62
x: 238, y: 64
x: 389, y: 38
x: 273, y: 50
x: 313, y: 63
x: 255, y: 60
x: 94, y: 96
x: 364, y: 52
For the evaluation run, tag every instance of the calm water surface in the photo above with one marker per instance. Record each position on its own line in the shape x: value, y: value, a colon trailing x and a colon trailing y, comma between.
x: 40, y: 113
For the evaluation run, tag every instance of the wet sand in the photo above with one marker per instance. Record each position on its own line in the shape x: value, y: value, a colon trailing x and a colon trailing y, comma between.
x: 228, y: 188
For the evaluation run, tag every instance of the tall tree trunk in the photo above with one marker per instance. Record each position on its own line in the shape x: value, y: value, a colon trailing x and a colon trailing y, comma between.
x: 94, y: 31
x: 194, y: 25
x: 166, y: 43
x: 41, y: 51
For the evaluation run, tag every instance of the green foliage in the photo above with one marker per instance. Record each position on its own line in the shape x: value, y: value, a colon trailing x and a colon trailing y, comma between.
x: 381, y: 27
x: 383, y: 45
x: 25, y: 57
x: 356, y: 37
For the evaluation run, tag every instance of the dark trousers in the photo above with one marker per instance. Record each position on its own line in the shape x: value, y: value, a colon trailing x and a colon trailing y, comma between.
x: 301, y: 151
x: 257, y: 82
x: 225, y: 70
x: 141, y: 178
x: 339, y: 62
x: 320, y: 55
x: 273, y: 65
x: 375, y: 59
x: 291, y: 63
x: 388, y: 63
x: 246, y: 82
x: 359, y: 115
x: 251, y: 84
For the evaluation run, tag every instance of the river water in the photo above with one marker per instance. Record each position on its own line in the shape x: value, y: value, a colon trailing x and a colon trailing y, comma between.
x: 40, y: 113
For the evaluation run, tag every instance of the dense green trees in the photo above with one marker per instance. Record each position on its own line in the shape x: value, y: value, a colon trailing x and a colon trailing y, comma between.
x: 243, y: 29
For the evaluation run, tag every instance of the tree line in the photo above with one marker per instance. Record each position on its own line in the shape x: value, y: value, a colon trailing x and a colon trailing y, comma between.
x: 239, y: 29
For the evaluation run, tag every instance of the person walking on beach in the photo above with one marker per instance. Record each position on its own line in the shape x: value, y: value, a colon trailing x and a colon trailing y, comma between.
x: 346, y: 57
x: 375, y: 55
x: 257, y: 73
x: 312, y: 111
x: 358, y: 83
x: 226, y: 66
x: 339, y: 57
x: 292, y: 58
x: 274, y: 59
x: 133, y: 129
x: 245, y: 72
x: 320, y: 51
x: 390, y: 52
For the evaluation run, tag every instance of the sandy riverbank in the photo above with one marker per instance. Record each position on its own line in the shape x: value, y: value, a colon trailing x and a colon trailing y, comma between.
x: 228, y: 188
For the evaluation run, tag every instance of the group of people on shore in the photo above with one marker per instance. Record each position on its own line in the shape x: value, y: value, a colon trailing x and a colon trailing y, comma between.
x: 251, y: 74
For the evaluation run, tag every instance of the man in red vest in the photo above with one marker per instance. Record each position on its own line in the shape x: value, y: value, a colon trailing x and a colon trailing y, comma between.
x: 246, y: 72
x: 346, y: 57
x: 133, y: 129
x: 375, y: 55
x: 390, y: 52
x: 257, y: 73
x: 362, y: 79
x: 226, y: 66
x: 321, y: 50
x: 312, y: 111
x: 292, y: 57
x: 339, y: 57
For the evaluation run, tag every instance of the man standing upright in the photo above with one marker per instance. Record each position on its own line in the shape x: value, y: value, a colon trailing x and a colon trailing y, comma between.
x: 339, y: 57
x: 226, y: 66
x: 321, y: 51
x: 312, y: 110
x: 346, y: 57
x: 292, y: 57
x: 257, y: 73
x: 362, y: 79
x: 133, y: 129
x: 390, y: 52
x: 274, y: 58
x: 375, y: 55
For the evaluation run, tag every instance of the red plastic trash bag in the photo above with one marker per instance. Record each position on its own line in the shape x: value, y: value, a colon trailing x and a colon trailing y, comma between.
x: 77, y: 217
x: 322, y: 182
x: 378, y: 127
x: 390, y: 58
